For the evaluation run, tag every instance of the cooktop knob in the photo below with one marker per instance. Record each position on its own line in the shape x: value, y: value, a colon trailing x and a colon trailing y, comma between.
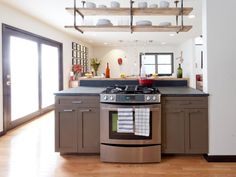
x: 154, y: 98
x: 105, y: 97
x: 111, y: 98
x: 148, y: 98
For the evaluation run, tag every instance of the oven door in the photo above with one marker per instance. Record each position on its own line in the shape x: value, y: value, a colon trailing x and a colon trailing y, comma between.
x: 108, y: 125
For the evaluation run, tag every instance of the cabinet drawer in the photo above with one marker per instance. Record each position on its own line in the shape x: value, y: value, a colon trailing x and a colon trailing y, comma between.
x: 78, y: 101
x: 185, y: 102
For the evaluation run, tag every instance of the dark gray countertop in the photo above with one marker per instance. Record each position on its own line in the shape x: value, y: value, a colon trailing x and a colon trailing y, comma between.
x: 181, y: 91
x: 86, y: 91
x: 165, y: 91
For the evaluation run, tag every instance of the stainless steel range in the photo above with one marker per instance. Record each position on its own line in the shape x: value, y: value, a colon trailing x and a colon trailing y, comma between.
x: 130, y: 124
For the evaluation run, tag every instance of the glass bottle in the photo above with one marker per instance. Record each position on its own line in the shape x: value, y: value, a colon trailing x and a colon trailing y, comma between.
x: 179, y: 72
x: 107, y: 73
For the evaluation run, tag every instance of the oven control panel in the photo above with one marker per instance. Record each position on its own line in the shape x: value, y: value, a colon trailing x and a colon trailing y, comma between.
x: 130, y: 98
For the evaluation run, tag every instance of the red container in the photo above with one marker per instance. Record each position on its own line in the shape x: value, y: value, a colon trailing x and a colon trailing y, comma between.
x: 146, y: 82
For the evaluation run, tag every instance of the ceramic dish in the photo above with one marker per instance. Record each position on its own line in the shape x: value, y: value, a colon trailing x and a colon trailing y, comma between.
x: 104, y: 22
x: 102, y: 6
x: 142, y: 4
x: 143, y: 23
x: 153, y: 6
x: 164, y: 4
x: 115, y: 4
x: 90, y: 5
x: 165, y: 24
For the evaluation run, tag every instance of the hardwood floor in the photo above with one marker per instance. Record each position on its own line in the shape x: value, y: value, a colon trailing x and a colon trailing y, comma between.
x: 28, y: 151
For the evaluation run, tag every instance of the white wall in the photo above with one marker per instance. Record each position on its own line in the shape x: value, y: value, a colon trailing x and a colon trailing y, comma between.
x: 130, y: 56
x: 17, y: 19
x: 219, y: 32
x: 188, y: 64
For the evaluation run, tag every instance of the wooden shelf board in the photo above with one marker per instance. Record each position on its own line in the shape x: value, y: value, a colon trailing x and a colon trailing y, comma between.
x: 136, y: 11
x: 135, y: 28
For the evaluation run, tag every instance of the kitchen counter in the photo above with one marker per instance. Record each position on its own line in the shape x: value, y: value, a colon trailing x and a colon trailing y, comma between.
x: 86, y: 91
x: 181, y: 91
x: 165, y: 91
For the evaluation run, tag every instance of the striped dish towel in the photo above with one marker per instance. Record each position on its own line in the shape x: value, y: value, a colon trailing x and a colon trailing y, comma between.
x: 125, y: 122
x: 142, y: 122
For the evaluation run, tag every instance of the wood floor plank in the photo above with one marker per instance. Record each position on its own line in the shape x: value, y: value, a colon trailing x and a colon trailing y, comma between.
x: 28, y: 151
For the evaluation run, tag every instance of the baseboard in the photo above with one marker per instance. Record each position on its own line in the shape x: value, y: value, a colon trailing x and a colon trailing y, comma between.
x: 220, y: 158
x: 2, y: 133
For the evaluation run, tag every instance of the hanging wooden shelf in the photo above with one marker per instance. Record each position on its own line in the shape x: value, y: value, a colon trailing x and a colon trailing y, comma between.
x: 131, y: 11
x: 134, y: 28
x: 135, y: 11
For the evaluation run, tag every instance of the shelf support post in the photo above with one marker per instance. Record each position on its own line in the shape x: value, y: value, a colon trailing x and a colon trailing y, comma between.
x: 131, y: 16
x: 177, y: 16
x: 75, y: 25
x: 182, y: 14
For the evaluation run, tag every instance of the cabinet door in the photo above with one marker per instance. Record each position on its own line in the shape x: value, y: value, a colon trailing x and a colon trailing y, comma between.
x: 196, y: 131
x: 173, y: 131
x: 89, y: 130
x: 65, y: 130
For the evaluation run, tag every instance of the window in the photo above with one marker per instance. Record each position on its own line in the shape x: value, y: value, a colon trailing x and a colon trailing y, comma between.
x: 161, y: 63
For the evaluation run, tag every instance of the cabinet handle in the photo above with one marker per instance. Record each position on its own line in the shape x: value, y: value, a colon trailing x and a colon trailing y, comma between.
x: 68, y: 110
x: 85, y: 110
x: 76, y: 102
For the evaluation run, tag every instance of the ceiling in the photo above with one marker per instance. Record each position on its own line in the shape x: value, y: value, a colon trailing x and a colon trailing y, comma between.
x: 53, y: 13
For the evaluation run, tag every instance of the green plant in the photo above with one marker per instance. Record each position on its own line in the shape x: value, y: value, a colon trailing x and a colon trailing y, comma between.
x: 95, y: 64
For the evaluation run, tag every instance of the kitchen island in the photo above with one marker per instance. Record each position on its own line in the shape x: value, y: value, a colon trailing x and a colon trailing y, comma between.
x: 184, y: 119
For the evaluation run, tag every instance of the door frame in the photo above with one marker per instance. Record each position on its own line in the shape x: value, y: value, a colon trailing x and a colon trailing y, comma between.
x: 7, y: 30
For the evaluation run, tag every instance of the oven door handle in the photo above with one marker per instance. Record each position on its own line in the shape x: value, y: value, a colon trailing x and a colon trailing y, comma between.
x: 116, y: 109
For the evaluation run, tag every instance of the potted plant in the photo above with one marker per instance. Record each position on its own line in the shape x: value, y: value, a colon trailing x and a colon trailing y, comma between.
x: 95, y: 64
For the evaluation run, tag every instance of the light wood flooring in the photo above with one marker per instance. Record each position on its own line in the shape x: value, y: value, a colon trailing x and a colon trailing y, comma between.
x: 28, y: 151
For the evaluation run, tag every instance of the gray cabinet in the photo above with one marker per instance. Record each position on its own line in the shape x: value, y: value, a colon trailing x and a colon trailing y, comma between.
x: 77, y: 124
x: 185, y: 125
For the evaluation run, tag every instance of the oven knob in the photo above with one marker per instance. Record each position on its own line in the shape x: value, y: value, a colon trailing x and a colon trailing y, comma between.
x: 154, y: 98
x: 105, y: 97
x: 148, y: 98
x: 111, y: 98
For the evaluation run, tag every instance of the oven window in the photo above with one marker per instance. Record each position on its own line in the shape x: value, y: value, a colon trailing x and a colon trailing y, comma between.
x: 113, y: 124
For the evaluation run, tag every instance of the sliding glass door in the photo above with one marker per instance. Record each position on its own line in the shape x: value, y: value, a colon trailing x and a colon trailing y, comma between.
x: 32, y: 70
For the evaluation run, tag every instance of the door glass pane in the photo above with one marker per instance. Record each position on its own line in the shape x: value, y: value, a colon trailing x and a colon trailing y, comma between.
x: 24, y: 77
x: 164, y: 69
x: 164, y: 59
x: 148, y: 59
x: 50, y: 74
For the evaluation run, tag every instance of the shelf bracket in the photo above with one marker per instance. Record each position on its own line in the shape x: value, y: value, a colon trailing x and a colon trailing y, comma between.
x: 182, y: 14
x: 131, y: 16
x: 177, y: 16
x: 76, y: 11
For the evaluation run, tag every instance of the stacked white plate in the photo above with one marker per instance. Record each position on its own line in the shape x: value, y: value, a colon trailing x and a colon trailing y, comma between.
x: 165, y: 24
x: 164, y: 4
x: 104, y: 22
x: 143, y: 23
x: 142, y: 4
x: 153, y: 6
x: 115, y: 4
x: 90, y: 5
x: 102, y: 6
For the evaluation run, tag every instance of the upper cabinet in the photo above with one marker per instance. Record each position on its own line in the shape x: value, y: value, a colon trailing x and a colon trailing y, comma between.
x: 131, y: 12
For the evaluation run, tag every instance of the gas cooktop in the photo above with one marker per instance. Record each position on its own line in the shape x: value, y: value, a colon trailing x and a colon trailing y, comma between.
x: 130, y: 94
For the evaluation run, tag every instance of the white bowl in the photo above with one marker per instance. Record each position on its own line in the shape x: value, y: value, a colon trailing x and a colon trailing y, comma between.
x: 104, y: 22
x: 164, y: 4
x: 102, y: 6
x: 153, y: 6
x: 142, y: 4
x: 115, y: 4
x: 90, y: 5
x: 143, y: 23
x: 165, y: 24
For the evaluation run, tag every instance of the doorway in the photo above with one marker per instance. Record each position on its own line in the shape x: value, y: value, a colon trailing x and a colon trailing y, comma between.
x: 32, y: 72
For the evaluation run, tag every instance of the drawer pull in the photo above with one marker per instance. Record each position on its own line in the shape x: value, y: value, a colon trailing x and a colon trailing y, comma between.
x: 68, y: 110
x: 76, y: 102
x: 85, y: 110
